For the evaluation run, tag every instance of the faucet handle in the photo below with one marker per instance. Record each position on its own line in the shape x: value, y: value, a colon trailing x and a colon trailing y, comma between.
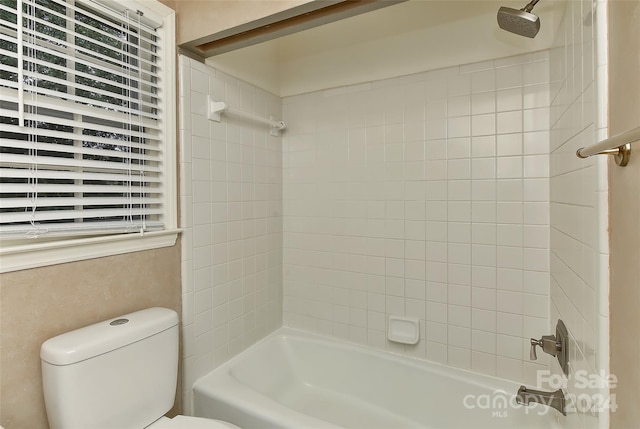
x: 532, y: 352
x: 547, y: 343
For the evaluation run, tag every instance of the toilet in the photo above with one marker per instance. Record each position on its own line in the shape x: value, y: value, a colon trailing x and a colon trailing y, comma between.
x: 117, y: 374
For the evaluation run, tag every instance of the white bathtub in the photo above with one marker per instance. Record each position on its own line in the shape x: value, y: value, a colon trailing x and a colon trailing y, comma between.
x: 297, y: 380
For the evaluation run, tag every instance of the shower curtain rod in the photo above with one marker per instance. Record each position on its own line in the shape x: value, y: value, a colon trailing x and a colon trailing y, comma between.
x: 215, y: 108
x: 619, y: 146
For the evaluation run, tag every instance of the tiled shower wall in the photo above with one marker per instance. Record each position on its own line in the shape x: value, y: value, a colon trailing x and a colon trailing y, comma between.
x: 231, y: 215
x: 579, y: 196
x: 424, y: 196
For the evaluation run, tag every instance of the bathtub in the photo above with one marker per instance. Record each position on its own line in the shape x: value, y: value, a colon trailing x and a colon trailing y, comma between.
x: 296, y: 380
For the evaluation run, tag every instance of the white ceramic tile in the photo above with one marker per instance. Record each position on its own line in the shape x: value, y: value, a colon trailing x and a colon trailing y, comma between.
x: 483, y: 320
x: 509, y: 212
x: 459, y: 211
x: 484, y: 102
x: 510, y: 257
x: 536, y: 305
x: 436, y: 352
x: 459, y: 106
x: 483, y: 81
x: 536, y: 119
x: 536, y: 73
x: 509, y: 77
x: 483, y: 233
x: 482, y: 190
x: 510, y: 301
x: 458, y: 84
x: 436, y: 292
x: 483, y: 146
x: 436, y: 312
x: 458, y: 169
x: 536, y: 282
x: 459, y: 253
x: 509, y: 190
x: 483, y: 298
x: 536, y: 213
x: 459, y: 127
x: 458, y: 148
x: 459, y: 190
x: 459, y: 357
x: 460, y: 296
x: 459, y: 315
x: 436, y: 129
x: 482, y: 125
x: 509, y: 144
x: 509, y: 346
x: 509, y: 167
x: 509, y: 99
x: 199, y: 81
x: 483, y: 168
x: 536, y: 96
x: 536, y: 190
x: 430, y: 213
x: 509, y: 279
x: 459, y: 232
x: 536, y: 142
x: 536, y: 236
x: 459, y: 336
x: 536, y: 166
x: 509, y: 122
x: 510, y: 235
x: 483, y: 341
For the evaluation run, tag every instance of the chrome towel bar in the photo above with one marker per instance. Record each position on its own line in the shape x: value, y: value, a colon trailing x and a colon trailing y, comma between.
x: 619, y: 146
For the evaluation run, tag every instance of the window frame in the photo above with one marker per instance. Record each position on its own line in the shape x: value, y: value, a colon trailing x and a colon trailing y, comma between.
x: 19, y: 254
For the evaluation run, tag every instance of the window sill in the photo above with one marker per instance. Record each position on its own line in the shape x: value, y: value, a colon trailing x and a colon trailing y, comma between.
x: 27, y: 256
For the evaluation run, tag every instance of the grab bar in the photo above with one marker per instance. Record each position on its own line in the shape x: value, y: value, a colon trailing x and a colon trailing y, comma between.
x: 215, y: 108
x: 619, y: 146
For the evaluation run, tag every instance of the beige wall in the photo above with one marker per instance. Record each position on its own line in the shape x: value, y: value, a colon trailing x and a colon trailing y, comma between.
x: 624, y: 113
x: 40, y: 303
x: 198, y: 19
x: 169, y: 3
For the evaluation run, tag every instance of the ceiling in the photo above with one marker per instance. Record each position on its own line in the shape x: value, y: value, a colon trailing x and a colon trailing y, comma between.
x: 400, y: 39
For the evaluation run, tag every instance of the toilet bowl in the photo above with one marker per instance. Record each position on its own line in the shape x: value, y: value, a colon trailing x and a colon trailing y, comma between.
x: 185, y: 422
x: 120, y: 373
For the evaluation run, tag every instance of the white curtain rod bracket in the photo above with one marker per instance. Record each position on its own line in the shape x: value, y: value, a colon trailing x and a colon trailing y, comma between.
x: 216, y: 108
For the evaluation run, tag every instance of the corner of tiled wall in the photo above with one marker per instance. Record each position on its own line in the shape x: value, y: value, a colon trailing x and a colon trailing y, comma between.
x: 231, y: 216
x: 579, y: 207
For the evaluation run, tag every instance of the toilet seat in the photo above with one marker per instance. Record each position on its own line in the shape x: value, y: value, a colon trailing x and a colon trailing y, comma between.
x: 188, y: 422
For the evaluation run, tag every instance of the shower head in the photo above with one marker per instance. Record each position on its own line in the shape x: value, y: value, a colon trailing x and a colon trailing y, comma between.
x: 520, y: 21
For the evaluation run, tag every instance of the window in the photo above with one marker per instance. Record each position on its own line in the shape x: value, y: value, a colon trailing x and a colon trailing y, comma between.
x: 87, y: 125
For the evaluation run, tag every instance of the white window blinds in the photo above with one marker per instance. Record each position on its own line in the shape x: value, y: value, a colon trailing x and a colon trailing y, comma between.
x: 80, y: 135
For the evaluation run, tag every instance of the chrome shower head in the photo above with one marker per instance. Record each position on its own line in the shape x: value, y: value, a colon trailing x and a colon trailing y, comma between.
x: 520, y: 21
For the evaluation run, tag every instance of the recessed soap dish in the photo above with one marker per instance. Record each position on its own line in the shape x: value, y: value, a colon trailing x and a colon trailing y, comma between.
x: 404, y: 330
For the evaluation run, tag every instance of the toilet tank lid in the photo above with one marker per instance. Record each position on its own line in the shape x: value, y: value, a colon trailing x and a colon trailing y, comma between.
x: 102, y: 337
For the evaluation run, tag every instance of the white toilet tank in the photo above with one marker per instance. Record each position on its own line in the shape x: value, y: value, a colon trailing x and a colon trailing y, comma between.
x: 120, y: 373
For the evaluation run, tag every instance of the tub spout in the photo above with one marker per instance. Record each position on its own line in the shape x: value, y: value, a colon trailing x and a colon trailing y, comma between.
x: 550, y: 399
